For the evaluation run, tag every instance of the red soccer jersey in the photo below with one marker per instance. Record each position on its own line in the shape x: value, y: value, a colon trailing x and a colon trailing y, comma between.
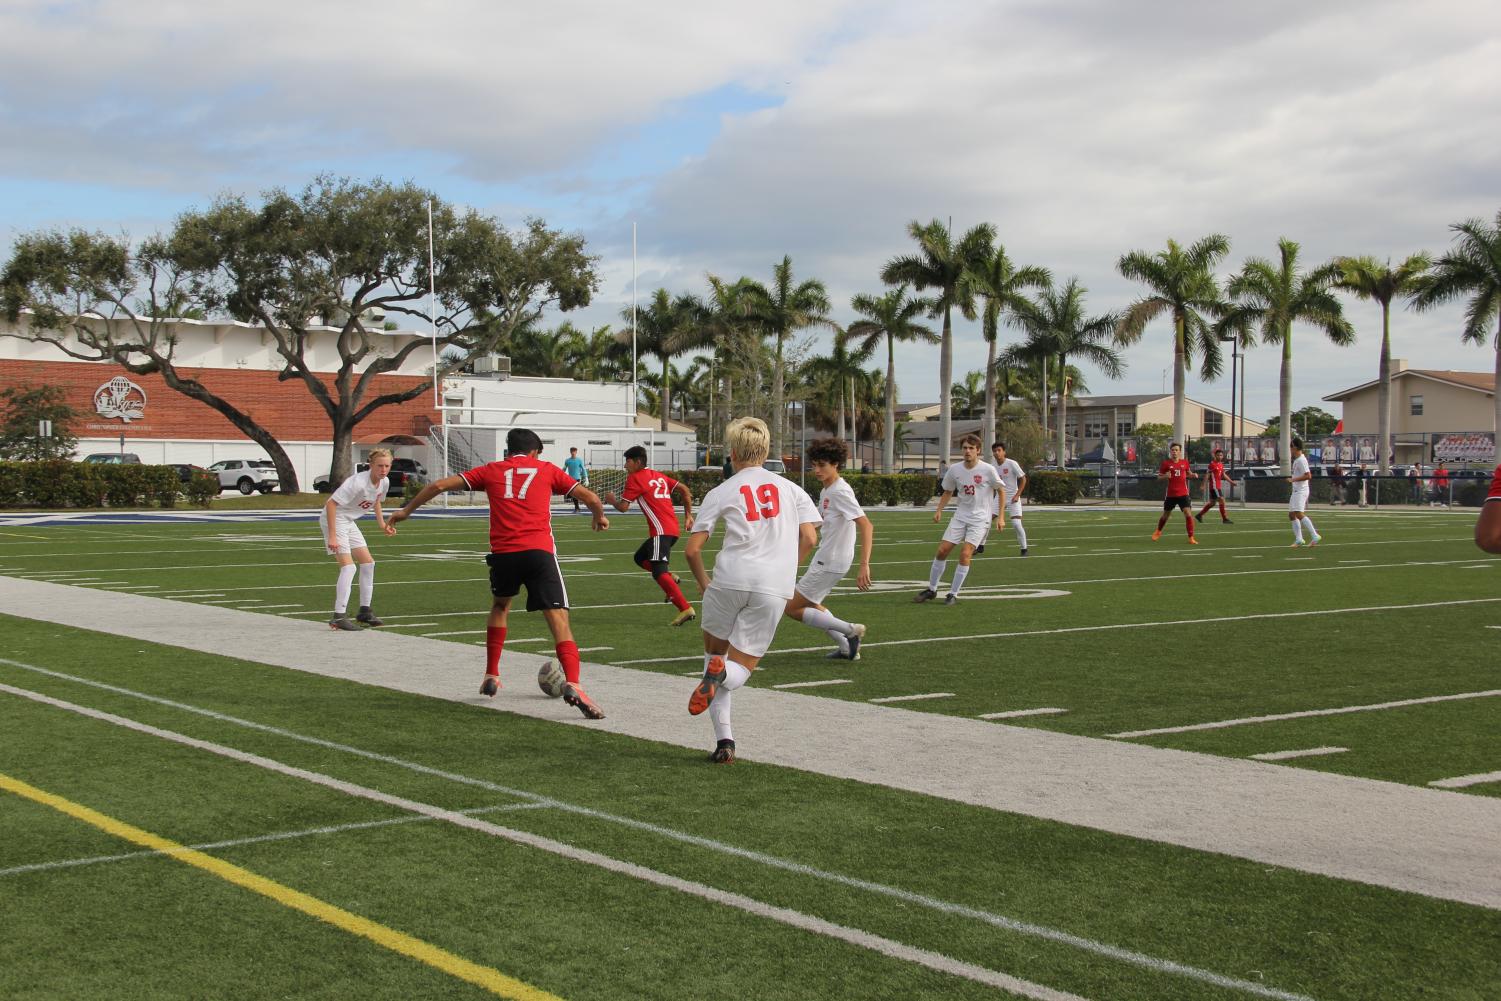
x: 653, y: 491
x: 520, y: 490
x: 1495, y: 491
x: 1177, y: 476
x: 1216, y: 474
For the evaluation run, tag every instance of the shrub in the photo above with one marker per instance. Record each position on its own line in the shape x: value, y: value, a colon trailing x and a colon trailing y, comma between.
x: 11, y: 482
x: 699, y: 482
x: 202, y: 489
x: 919, y: 488
x: 163, y: 485
x: 123, y: 485
x: 1053, y: 487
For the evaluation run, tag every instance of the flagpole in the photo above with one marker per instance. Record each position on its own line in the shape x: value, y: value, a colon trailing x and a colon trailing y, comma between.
x: 432, y: 322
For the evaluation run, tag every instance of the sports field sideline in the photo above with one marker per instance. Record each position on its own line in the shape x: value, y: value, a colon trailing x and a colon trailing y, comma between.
x: 955, y: 869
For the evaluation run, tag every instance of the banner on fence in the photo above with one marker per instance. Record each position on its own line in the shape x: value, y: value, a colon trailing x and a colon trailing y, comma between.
x: 1469, y: 447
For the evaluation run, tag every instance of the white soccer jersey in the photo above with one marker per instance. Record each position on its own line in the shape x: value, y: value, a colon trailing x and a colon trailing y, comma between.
x: 762, y: 514
x: 974, y: 490
x: 839, y: 510
x: 357, y: 495
x: 1011, y: 476
x: 1300, y: 468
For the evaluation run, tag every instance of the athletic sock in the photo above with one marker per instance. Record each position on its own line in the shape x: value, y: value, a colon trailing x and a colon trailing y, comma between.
x: 367, y: 584
x: 341, y: 590
x: 935, y: 575
x: 1308, y: 522
x: 495, y: 642
x: 960, y: 572
x: 1190, y: 520
x: 670, y: 588
x: 735, y: 675
x: 1021, y: 533
x: 1298, y: 529
x: 1223, y: 513
x: 820, y: 618
x: 841, y: 639
x: 1162, y: 521
x: 568, y: 659
x: 719, y: 714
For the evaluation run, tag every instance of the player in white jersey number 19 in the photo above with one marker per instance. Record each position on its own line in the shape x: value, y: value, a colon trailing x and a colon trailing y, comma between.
x: 975, y: 484
x: 1297, y: 504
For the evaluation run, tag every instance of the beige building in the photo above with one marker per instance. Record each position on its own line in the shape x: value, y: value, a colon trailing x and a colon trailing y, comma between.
x: 1423, y: 401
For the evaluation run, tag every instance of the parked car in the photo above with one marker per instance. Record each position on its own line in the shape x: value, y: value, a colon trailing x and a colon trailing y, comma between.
x: 113, y: 458
x: 186, y: 470
x: 775, y: 466
x: 402, y: 469
x: 246, y: 475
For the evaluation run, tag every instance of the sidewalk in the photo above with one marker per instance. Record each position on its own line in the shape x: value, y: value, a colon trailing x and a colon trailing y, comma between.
x: 1427, y: 841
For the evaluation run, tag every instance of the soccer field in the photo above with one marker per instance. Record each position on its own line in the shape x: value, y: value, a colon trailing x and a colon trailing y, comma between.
x: 357, y: 841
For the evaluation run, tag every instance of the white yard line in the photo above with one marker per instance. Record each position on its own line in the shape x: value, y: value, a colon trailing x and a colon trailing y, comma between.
x: 1305, y: 753
x: 1262, y: 616
x: 912, y: 698
x: 1017, y: 713
x: 749, y: 905
x: 1463, y: 781
x: 810, y: 684
x: 1307, y: 713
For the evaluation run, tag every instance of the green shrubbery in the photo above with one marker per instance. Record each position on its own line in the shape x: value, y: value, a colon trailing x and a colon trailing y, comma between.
x: 1054, y: 487
x: 871, y: 489
x: 57, y: 483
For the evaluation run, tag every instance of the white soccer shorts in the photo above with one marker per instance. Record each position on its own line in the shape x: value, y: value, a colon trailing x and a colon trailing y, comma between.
x: 348, y: 536
x: 973, y: 532
x: 748, y: 619
x: 1014, y: 509
x: 818, y: 582
x: 1298, y: 502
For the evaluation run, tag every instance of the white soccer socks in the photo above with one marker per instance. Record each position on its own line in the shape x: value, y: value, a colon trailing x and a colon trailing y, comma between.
x: 735, y: 675
x: 960, y: 572
x: 1313, y: 533
x: 367, y: 584
x: 936, y: 574
x: 1021, y: 533
x: 341, y: 590
x: 820, y: 618
x: 1297, y: 529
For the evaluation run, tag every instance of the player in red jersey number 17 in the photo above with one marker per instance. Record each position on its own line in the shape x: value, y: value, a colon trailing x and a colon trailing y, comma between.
x: 1488, y: 528
x: 1176, y: 471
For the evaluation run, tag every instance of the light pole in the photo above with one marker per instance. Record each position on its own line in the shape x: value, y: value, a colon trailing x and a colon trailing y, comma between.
x: 1234, y: 340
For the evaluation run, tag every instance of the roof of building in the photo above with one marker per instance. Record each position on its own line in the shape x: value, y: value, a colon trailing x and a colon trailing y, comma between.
x: 1480, y: 382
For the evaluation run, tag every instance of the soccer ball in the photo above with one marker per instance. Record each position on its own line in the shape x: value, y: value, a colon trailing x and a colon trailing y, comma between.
x: 551, y: 679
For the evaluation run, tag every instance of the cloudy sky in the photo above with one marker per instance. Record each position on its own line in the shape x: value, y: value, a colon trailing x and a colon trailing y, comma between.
x: 1082, y: 129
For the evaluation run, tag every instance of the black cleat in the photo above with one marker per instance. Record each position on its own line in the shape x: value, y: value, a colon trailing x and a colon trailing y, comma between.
x: 368, y: 617
x: 343, y: 622
x: 980, y: 549
x: 951, y: 598
x: 1199, y: 518
x: 837, y: 655
x: 1228, y: 521
x: 491, y: 685
x: 1024, y: 552
x: 723, y: 753
x: 926, y: 594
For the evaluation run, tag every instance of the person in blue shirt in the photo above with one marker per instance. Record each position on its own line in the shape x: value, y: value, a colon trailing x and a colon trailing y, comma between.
x: 574, y: 466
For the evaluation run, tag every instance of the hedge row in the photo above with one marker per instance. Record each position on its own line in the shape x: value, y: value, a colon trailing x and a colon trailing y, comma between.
x: 871, y: 489
x: 57, y: 483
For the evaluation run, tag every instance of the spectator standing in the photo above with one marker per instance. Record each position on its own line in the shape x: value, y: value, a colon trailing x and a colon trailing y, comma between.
x: 1441, y: 486
x: 1337, y: 485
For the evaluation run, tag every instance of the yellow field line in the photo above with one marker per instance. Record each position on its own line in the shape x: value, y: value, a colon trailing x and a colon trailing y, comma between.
x: 483, y: 976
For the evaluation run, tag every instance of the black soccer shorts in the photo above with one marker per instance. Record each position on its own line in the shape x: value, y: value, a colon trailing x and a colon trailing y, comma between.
x: 537, y: 570
x: 1168, y: 503
x: 656, y: 550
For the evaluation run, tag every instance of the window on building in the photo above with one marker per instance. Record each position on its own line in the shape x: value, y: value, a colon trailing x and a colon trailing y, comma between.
x: 1214, y: 422
x: 1415, y: 405
x: 1097, y: 429
x: 1124, y: 428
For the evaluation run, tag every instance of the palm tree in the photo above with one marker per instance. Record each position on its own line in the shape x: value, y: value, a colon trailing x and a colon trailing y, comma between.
x: 940, y: 264
x: 1183, y: 286
x: 1274, y: 296
x: 968, y: 395
x: 892, y: 316
x: 1058, y: 324
x: 736, y: 331
x: 783, y: 309
x: 1002, y: 286
x: 667, y: 327
x: 835, y: 373
x: 1370, y: 279
x: 1472, y: 267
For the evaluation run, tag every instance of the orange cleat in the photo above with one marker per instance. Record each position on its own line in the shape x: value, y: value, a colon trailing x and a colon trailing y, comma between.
x: 708, y: 687
x: 574, y: 696
x: 1157, y: 535
x: 1192, y: 541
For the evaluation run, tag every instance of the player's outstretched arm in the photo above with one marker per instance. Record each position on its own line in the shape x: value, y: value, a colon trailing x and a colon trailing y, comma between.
x: 592, y: 502
x: 426, y: 494
x: 693, y: 552
x: 386, y: 525
x: 618, y: 503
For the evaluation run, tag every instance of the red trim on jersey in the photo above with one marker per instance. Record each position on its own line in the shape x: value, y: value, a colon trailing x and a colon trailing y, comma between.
x: 646, y: 487
x: 1495, y: 492
x: 520, y: 490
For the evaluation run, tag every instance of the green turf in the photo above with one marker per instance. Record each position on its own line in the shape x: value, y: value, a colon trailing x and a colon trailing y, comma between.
x: 154, y: 928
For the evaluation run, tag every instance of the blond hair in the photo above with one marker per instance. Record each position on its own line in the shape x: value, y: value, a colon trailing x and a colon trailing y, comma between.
x: 749, y: 440
x: 378, y: 453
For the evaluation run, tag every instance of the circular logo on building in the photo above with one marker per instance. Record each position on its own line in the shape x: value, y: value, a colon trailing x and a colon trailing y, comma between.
x: 120, y: 398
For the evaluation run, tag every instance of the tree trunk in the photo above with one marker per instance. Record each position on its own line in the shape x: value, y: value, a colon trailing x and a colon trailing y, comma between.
x: 945, y: 381
x: 1180, y: 394
x: 888, y: 447
x: 1063, y: 411
x: 666, y: 391
x: 778, y: 404
x: 1285, y: 401
x: 191, y: 388
x: 839, y: 414
x: 988, y: 430
x: 1496, y: 429
x: 1046, y: 394
x: 1384, y: 395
